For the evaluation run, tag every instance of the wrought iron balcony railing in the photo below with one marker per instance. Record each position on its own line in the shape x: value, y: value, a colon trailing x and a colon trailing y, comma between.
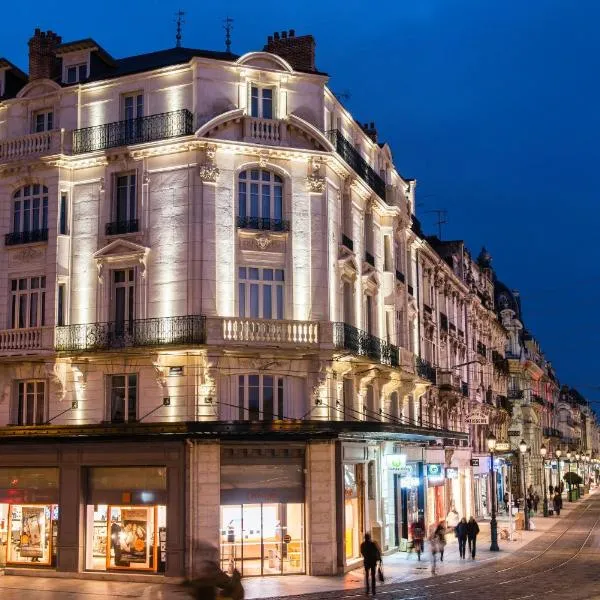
x: 352, y: 156
x: 538, y: 399
x: 400, y: 276
x: 425, y: 370
x: 346, y: 241
x: 26, y: 237
x: 189, y: 329
x: 551, y: 432
x: 364, y: 344
x: 121, y: 227
x: 263, y: 223
x: 134, y: 131
x: 515, y: 394
x: 369, y: 258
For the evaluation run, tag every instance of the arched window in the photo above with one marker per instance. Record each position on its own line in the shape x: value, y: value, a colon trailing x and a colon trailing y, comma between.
x: 30, y: 215
x: 260, y: 200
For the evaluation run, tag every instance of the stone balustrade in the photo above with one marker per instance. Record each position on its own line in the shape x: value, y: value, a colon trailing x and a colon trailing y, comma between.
x: 31, y: 145
x: 18, y: 341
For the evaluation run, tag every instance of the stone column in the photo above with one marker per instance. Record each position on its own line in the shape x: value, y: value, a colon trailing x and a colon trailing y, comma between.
x: 321, y: 514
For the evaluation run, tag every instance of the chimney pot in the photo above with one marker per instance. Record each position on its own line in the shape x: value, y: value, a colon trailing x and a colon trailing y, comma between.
x: 284, y: 35
x: 276, y: 35
x: 270, y: 39
x: 43, y: 62
x: 292, y: 33
x: 372, y: 125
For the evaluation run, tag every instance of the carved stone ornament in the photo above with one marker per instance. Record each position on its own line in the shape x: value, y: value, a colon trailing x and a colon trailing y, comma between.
x: 146, y: 177
x: 209, y: 172
x: 315, y: 183
x: 262, y: 160
x: 263, y: 241
x: 28, y: 254
x: 101, y: 184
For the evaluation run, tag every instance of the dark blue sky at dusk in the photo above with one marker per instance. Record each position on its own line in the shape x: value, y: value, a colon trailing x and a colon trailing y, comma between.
x: 493, y: 106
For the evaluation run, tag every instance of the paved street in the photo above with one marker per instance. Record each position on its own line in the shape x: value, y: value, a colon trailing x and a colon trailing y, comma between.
x: 561, y: 562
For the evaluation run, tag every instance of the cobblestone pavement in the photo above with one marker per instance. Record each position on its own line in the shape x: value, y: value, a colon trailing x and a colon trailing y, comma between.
x: 563, y: 561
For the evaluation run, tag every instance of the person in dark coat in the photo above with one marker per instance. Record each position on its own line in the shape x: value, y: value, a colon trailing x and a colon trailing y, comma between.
x: 371, y: 556
x: 461, y: 534
x: 557, y: 502
x: 472, y: 531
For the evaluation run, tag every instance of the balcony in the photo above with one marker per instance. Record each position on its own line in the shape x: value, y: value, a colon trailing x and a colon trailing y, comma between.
x: 551, y: 432
x: 32, y: 145
x: 347, y: 242
x: 122, y: 227
x: 261, y: 223
x: 262, y: 131
x: 26, y: 237
x: 537, y: 399
x: 449, y: 381
x: 362, y: 343
x: 515, y: 394
x: 425, y: 370
x: 270, y: 332
x: 163, y: 126
x: 24, y: 341
x: 370, y: 259
x: 353, y: 158
x: 88, y: 337
x: 400, y: 276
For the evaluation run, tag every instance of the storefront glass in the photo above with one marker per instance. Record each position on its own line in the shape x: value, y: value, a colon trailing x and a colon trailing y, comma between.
x: 263, y: 539
x: 352, y: 512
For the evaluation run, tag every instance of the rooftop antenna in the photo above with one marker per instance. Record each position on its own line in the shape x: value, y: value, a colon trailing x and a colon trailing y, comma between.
x: 179, y: 16
x: 442, y: 215
x: 228, y: 26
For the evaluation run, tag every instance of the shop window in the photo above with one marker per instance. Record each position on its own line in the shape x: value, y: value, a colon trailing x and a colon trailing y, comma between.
x: 28, y: 302
x: 30, y: 403
x: 261, y: 292
x: 260, y: 397
x: 123, y: 398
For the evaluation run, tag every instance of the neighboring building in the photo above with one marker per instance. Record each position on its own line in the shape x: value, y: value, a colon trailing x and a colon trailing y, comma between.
x: 205, y: 311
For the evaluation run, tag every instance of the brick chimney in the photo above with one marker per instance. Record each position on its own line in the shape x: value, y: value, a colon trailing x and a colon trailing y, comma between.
x: 370, y: 130
x: 43, y: 62
x: 298, y: 51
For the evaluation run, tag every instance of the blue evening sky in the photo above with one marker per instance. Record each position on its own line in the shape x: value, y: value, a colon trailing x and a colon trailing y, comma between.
x: 492, y: 105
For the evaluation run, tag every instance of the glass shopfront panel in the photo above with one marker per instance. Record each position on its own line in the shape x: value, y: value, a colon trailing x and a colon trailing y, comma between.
x: 351, y: 513
x: 263, y: 539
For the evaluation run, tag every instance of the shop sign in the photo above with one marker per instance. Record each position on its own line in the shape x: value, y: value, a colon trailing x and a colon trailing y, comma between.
x: 451, y: 473
x: 409, y: 482
x: 502, y: 446
x: 514, y: 433
x: 474, y: 462
x: 396, y: 463
x: 175, y: 370
x: 435, y: 473
x: 477, y: 417
x: 287, y: 538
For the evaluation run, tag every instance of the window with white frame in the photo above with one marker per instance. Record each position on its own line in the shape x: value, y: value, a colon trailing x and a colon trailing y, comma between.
x: 27, y: 302
x: 30, y: 406
x: 260, y: 397
x: 123, y: 299
x: 133, y: 106
x: 261, y: 102
x: 125, y: 207
x: 30, y: 208
x: 261, y: 292
x: 75, y: 73
x: 123, y: 398
x: 260, y: 200
x: 43, y: 120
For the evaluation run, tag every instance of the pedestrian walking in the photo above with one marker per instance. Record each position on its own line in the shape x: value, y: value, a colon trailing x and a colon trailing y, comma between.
x: 557, y: 502
x: 506, y: 502
x: 371, y: 556
x: 438, y: 543
x: 461, y: 533
x: 536, y: 501
x: 472, y: 531
x: 551, y: 490
x: 418, y: 535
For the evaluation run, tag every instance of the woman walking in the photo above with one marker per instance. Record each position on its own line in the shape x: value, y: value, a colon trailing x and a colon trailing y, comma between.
x: 461, y: 534
x: 438, y: 543
x: 472, y: 531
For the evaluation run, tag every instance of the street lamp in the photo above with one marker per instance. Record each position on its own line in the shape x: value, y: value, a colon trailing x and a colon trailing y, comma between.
x: 523, y: 449
x: 491, y: 444
x: 543, y: 451
x: 558, y: 453
x: 569, y: 460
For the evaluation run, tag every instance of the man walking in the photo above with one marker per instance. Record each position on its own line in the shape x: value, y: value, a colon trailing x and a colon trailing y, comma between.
x: 371, y: 556
x: 472, y: 531
x: 461, y: 534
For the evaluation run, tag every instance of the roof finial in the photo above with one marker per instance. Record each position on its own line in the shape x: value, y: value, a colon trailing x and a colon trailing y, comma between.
x: 179, y: 15
x: 228, y: 26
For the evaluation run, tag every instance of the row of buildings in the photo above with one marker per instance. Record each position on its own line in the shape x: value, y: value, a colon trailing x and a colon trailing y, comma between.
x: 224, y: 331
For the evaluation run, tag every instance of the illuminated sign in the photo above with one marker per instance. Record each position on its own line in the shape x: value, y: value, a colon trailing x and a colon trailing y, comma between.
x: 435, y: 471
x: 409, y: 482
x: 502, y: 446
x: 451, y: 473
x: 396, y: 462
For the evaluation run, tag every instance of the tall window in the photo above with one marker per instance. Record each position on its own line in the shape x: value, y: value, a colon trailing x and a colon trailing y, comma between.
x: 123, y: 299
x: 133, y: 106
x: 60, y: 304
x: 260, y: 397
x: 126, y: 198
x: 43, y: 120
x: 261, y: 102
x: 261, y: 292
x: 123, y: 398
x: 63, y: 215
x: 30, y: 209
x: 31, y: 403
x: 260, y: 200
x: 28, y: 302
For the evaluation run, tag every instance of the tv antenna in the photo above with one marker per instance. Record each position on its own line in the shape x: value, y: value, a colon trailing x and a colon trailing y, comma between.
x: 228, y: 26
x: 442, y: 215
x: 179, y: 19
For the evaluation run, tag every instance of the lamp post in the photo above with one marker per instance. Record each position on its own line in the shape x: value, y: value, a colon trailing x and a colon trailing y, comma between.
x: 577, y: 457
x: 491, y: 444
x: 543, y: 451
x: 523, y: 449
x: 569, y: 461
x: 558, y: 453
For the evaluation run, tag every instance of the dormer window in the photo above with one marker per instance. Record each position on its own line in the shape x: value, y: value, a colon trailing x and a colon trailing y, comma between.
x: 261, y: 102
x: 76, y: 73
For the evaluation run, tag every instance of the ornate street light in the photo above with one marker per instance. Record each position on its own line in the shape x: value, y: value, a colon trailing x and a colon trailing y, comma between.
x: 558, y: 453
x: 523, y: 449
x: 569, y: 461
x: 491, y: 444
x: 543, y: 451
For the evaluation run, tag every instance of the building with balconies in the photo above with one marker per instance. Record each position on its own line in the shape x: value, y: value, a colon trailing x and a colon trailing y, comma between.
x: 209, y: 316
